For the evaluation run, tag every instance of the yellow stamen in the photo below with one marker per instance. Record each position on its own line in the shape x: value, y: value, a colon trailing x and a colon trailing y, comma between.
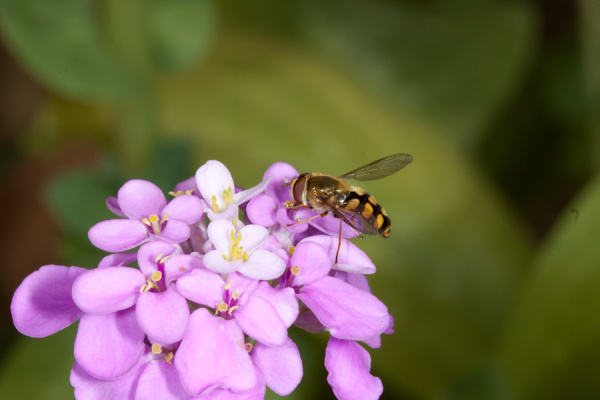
x: 149, y: 285
x: 291, y: 250
x: 231, y: 309
x: 215, y: 206
x: 222, y: 307
x: 181, y: 192
x: 228, y: 196
x: 153, y: 222
x: 156, y: 348
x: 157, y: 259
x: 157, y: 276
x: 165, y: 218
x: 236, y: 295
x: 169, y: 357
x: 236, y: 251
x: 228, y: 285
x: 295, y: 270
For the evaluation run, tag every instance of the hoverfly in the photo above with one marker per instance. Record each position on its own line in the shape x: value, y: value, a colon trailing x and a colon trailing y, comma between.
x: 352, y: 205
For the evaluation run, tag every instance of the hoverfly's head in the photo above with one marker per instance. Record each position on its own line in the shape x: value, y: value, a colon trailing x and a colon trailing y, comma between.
x: 297, y: 188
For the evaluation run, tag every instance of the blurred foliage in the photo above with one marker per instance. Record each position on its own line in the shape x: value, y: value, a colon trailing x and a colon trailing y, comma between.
x: 497, y: 101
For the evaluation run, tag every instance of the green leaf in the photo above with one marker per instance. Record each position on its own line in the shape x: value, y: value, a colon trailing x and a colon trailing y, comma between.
x: 589, y: 12
x: 78, y: 199
x: 39, y: 369
x: 552, y: 343
x: 61, y: 42
x: 181, y: 31
x: 454, y: 63
x: 456, y: 253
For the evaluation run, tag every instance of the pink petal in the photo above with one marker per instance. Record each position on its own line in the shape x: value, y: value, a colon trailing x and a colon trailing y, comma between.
x: 262, y: 210
x: 308, y: 321
x: 259, y: 320
x: 116, y: 235
x: 89, y: 388
x: 108, y: 346
x: 256, y: 393
x: 350, y: 259
x: 42, y: 304
x: 105, y: 290
x: 185, y: 208
x: 174, y: 232
x: 290, y: 224
x: 163, y: 316
x: 202, y: 287
x: 118, y: 259
x: 279, y: 173
x: 149, y: 252
x: 160, y: 380
x: 188, y: 184
x: 212, y: 355
x: 284, y: 301
x: 349, y: 368
x: 348, y: 312
x: 139, y: 199
x: 313, y: 261
x: 179, y: 264
x: 113, y: 205
x: 281, y: 366
x: 263, y: 265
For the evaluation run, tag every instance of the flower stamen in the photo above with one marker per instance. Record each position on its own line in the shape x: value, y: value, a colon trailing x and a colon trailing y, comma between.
x: 214, y: 205
x: 156, y: 348
x: 228, y: 196
x: 237, y: 252
x: 155, y: 223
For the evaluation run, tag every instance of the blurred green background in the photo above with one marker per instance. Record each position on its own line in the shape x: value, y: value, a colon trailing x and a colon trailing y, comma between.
x: 493, y: 269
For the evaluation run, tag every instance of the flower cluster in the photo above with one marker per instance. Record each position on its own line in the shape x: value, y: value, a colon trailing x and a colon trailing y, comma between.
x: 194, y: 302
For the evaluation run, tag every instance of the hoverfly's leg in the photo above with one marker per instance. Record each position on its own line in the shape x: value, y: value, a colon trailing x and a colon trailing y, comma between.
x: 291, y: 206
x: 339, y: 242
x: 308, y: 219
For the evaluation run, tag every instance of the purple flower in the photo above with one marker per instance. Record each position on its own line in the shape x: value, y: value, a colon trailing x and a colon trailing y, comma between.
x: 198, y: 310
x: 42, y: 305
x: 345, y: 310
x: 348, y: 365
x: 243, y: 307
x: 150, y: 216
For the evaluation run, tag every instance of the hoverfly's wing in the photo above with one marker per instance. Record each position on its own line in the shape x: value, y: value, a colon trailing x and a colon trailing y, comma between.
x: 379, y: 169
x: 354, y: 220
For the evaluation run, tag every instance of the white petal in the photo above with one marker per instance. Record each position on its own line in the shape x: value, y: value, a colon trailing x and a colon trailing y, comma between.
x: 212, y: 179
x: 246, y: 195
x: 263, y: 265
x: 214, y: 261
x: 253, y: 236
x: 219, y: 233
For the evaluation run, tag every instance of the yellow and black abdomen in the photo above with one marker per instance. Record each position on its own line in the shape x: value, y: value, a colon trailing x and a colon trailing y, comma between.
x: 374, y: 217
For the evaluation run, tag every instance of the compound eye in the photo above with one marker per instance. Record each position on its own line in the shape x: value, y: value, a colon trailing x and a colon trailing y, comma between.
x: 298, y: 186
